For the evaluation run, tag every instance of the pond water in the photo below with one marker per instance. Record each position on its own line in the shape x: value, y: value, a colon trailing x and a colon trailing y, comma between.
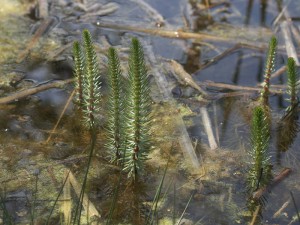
x: 203, y: 184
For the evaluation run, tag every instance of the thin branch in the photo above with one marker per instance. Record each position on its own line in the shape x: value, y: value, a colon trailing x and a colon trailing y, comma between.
x: 31, y: 91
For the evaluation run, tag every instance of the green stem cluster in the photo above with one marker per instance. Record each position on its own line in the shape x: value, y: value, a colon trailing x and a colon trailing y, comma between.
x: 87, y: 79
x: 138, y: 111
x: 127, y: 129
x: 293, y: 83
x: 115, y: 107
x: 260, y: 173
x: 269, y: 68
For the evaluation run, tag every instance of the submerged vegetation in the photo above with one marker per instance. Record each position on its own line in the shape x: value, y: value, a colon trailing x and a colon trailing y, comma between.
x: 269, y: 69
x: 138, y: 120
x: 128, y: 128
x: 259, y: 173
x: 115, y: 123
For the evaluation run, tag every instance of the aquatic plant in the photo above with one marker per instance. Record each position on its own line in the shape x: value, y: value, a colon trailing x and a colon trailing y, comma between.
x: 138, y: 112
x: 260, y: 172
x: 293, y: 83
x: 87, y: 79
x: 269, y: 68
x: 289, y: 126
x: 79, y: 73
x: 86, y: 67
x: 115, y: 107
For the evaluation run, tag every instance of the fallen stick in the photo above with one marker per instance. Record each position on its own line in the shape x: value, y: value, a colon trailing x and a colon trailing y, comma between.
x: 279, y: 211
x: 229, y: 51
x: 290, y: 48
x: 103, y: 11
x: 239, y: 88
x: 87, y: 204
x: 61, y: 115
x: 255, y: 214
x: 208, y: 128
x: 31, y: 91
x: 177, y: 34
x: 66, y: 206
x: 283, y: 174
x: 39, y: 32
x: 43, y: 9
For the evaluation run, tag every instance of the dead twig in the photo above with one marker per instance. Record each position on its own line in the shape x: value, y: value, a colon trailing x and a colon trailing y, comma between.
x: 290, y: 48
x: 283, y: 174
x: 279, y: 211
x: 179, y: 34
x: 229, y: 51
x: 43, y: 9
x: 87, y: 204
x: 240, y: 88
x: 31, y: 91
x: 255, y: 214
x: 208, y: 128
x: 39, y: 32
x: 61, y: 115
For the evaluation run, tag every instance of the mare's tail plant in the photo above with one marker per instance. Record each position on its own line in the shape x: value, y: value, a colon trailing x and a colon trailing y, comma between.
x: 293, y: 83
x: 87, y: 79
x: 260, y: 172
x: 138, y: 112
x: 288, y: 125
x: 79, y: 73
x: 269, y: 68
x: 115, y: 107
x: 88, y: 88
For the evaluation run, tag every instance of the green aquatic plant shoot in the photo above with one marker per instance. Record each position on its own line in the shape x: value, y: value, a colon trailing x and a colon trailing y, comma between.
x: 138, y: 120
x: 86, y: 67
x: 269, y: 68
x: 289, y: 126
x: 260, y: 172
x: 79, y: 73
x: 115, y: 107
x: 91, y: 82
x: 293, y: 83
x: 87, y: 76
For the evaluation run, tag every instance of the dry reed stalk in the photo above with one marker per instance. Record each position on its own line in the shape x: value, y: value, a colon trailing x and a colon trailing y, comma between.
x: 290, y: 48
x: 241, y: 88
x: 66, y: 206
x: 255, y: 214
x: 43, y: 9
x: 87, y: 204
x: 208, y: 128
x: 61, y: 115
x: 103, y: 11
x: 178, y: 34
x: 283, y: 207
